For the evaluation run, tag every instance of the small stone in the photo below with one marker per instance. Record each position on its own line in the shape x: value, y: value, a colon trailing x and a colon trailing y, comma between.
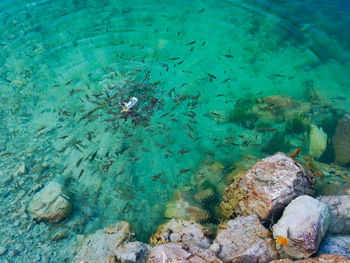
x: 21, y: 170
x: 60, y: 235
x: 320, y: 259
x: 3, y: 250
x: 335, y: 244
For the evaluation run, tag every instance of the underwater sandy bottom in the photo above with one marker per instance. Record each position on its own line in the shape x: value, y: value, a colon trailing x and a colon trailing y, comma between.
x: 196, y: 68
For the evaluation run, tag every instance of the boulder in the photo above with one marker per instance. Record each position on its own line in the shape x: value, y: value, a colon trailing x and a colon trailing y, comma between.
x: 335, y: 244
x: 244, y: 239
x: 184, y: 253
x: 303, y: 225
x: 132, y: 252
x: 102, y: 245
x: 339, y: 207
x: 320, y: 259
x: 186, y: 232
x: 341, y: 141
x: 50, y: 204
x: 318, y: 141
x: 267, y: 187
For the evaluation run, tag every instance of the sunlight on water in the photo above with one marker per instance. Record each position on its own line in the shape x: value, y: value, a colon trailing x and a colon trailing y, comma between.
x: 217, y: 82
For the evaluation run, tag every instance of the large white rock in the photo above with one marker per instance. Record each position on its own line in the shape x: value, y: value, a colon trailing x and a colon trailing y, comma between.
x: 339, y: 207
x: 267, y: 188
x: 102, y: 245
x: 244, y: 239
x: 304, y: 223
x: 318, y: 141
x: 50, y: 204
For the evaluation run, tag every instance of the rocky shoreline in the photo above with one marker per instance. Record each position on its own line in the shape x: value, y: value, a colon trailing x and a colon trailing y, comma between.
x: 268, y: 215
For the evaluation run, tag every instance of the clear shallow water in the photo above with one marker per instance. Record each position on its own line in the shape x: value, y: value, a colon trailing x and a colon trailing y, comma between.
x: 197, y: 68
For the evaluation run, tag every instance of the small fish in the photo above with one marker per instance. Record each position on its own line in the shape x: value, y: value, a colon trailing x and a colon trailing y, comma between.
x: 69, y: 82
x: 182, y: 171
x: 282, y: 240
x: 182, y: 61
x: 56, y: 86
x: 189, y: 135
x: 169, y: 151
x: 266, y: 129
x: 81, y: 173
x: 219, y: 95
x: 93, y: 156
x: 200, y: 11
x: 174, y: 58
x: 164, y: 115
x: 183, y: 151
x: 295, y: 153
x: 191, y: 43
x: 211, y: 76
x: 228, y: 56
x: 79, y: 162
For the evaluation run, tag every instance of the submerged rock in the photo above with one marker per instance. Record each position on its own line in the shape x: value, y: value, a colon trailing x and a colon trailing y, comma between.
x: 337, y: 244
x: 103, y: 244
x: 50, y: 204
x: 318, y: 141
x: 339, y: 207
x: 244, y: 239
x: 184, y: 253
x: 132, y: 252
x: 320, y: 259
x: 341, y: 141
x: 267, y: 187
x: 304, y: 223
x: 181, y: 231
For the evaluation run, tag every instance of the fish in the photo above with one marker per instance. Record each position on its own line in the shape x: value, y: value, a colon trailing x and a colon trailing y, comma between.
x: 183, y: 151
x: 156, y: 177
x: 282, y: 240
x: 200, y: 11
x: 182, y: 61
x: 189, y: 135
x: 79, y: 162
x: 93, y: 156
x: 295, y: 153
x: 182, y: 171
x: 191, y: 43
x: 69, y: 82
x: 211, y: 76
x: 219, y: 95
x: 56, y: 86
x: 164, y: 115
x: 81, y: 173
x: 174, y: 58
x: 169, y: 151
x: 266, y: 129
x: 228, y: 56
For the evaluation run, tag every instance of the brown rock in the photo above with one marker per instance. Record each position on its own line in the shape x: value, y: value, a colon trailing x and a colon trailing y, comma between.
x: 267, y: 188
x: 325, y: 258
x: 341, y: 141
x: 177, y: 252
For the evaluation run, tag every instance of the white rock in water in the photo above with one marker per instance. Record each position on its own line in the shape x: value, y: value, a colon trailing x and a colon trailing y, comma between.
x: 50, y: 204
x: 102, y: 245
x: 339, y: 207
x: 244, y: 239
x: 21, y: 169
x: 318, y: 141
x: 304, y: 223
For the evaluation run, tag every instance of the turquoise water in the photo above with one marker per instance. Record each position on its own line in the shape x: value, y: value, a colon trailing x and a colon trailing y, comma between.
x: 202, y: 71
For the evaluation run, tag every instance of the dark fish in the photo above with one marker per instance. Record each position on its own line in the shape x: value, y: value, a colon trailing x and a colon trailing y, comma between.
x: 182, y: 61
x: 211, y: 76
x: 201, y: 11
x: 93, y: 156
x: 182, y: 171
x: 183, y: 151
x: 56, y: 86
x: 219, y: 95
x: 225, y: 80
x: 69, y: 82
x: 81, y: 173
x: 191, y: 43
x: 169, y: 151
x: 203, y: 43
x: 209, y: 153
x: 164, y: 115
x: 266, y: 129
x: 79, y: 162
x: 228, y: 56
x: 156, y: 177
x: 189, y: 135
x: 279, y: 75
x: 174, y: 58
x: 190, y: 127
